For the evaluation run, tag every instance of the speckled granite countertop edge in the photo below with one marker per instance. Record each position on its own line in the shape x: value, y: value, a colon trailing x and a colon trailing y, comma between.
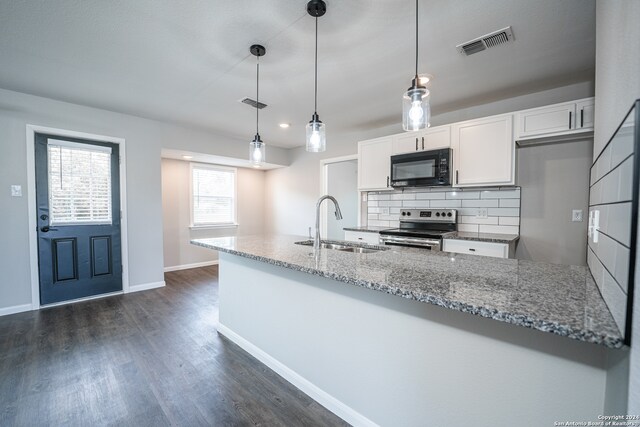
x: 585, y: 335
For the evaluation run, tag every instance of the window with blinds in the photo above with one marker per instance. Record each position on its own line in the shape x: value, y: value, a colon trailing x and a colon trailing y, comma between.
x: 213, y: 195
x: 79, y: 183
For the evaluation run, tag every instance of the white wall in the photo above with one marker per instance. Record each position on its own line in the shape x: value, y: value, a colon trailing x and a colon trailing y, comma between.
x: 342, y: 183
x: 293, y: 191
x: 144, y: 141
x: 617, y: 86
x: 176, y: 215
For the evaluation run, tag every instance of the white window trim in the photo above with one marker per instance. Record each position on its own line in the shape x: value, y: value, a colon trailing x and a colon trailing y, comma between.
x: 233, y: 224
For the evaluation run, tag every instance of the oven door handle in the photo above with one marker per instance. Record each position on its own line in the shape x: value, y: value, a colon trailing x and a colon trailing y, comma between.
x: 409, y: 240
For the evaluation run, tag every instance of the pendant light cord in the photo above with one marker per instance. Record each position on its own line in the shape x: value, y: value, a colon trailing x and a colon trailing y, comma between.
x: 315, y: 103
x: 416, y: 40
x: 257, y: 92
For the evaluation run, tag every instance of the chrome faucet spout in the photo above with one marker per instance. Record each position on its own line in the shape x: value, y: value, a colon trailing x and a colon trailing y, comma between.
x: 338, y: 213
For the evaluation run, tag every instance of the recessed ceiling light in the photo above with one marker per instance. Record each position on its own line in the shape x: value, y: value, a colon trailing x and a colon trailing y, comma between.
x: 284, y: 125
x: 425, y: 78
x: 187, y: 157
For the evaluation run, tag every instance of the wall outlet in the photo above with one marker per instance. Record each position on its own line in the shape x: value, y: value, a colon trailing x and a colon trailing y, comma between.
x: 384, y: 211
x: 482, y: 213
x: 576, y: 215
x: 16, y: 191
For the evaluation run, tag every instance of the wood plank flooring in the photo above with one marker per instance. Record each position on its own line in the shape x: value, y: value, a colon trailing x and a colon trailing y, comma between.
x: 150, y: 358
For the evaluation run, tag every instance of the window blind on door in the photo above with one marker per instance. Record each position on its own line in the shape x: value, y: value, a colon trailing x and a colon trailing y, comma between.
x: 213, y: 195
x: 79, y: 183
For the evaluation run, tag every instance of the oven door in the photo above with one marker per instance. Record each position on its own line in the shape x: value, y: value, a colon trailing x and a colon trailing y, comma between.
x: 412, y: 242
x: 425, y: 168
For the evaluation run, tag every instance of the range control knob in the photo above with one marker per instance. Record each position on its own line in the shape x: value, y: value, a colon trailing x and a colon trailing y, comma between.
x: 404, y: 213
x: 449, y: 214
x: 408, y: 213
x: 437, y: 213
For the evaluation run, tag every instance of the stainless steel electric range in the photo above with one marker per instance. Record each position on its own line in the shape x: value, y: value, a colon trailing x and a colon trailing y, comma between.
x: 421, y: 228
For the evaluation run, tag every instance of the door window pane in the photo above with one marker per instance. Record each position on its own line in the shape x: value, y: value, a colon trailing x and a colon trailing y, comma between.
x: 79, y: 183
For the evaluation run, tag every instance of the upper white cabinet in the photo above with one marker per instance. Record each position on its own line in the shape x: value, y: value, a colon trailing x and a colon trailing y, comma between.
x: 429, y: 139
x: 374, y: 164
x: 483, y: 151
x: 555, y: 120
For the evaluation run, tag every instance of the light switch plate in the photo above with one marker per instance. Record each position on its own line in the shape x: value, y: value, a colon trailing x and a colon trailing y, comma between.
x: 482, y: 213
x: 16, y: 191
x: 576, y: 215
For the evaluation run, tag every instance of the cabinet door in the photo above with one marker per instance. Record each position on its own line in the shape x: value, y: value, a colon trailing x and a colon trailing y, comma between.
x: 483, y: 151
x: 374, y: 164
x: 585, y: 114
x: 546, y: 120
x: 430, y: 139
x: 436, y: 138
x: 362, y: 237
x: 406, y: 143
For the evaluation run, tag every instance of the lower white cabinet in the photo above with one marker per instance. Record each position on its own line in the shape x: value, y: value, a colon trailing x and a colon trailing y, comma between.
x: 498, y: 250
x: 362, y: 237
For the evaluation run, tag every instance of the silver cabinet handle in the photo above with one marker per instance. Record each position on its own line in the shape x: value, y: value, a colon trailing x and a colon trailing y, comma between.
x: 569, y: 119
x: 423, y: 142
x: 416, y: 144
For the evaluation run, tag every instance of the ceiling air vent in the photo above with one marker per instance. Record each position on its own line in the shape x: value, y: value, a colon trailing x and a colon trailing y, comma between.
x: 253, y: 103
x: 487, y: 41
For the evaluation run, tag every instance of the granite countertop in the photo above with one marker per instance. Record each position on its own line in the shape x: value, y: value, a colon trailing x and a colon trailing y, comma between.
x: 368, y: 229
x: 483, y: 237
x: 558, y: 299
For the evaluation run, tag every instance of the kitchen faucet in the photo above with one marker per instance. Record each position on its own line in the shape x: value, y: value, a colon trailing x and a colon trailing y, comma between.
x: 316, y: 241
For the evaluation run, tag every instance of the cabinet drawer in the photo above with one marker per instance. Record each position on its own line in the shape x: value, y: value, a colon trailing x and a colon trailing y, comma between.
x: 362, y: 237
x: 498, y: 250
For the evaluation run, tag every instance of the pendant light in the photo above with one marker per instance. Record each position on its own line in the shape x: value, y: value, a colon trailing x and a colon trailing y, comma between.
x: 257, y: 147
x: 416, y: 112
x: 316, y: 138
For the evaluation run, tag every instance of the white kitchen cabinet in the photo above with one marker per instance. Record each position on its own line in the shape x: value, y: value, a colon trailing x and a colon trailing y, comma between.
x: 429, y: 139
x: 497, y: 250
x: 374, y: 164
x: 555, y: 120
x: 483, y: 152
x: 362, y: 237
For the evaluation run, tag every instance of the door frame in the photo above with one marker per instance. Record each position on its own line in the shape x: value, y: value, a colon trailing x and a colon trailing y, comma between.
x: 31, y: 199
x: 324, y: 184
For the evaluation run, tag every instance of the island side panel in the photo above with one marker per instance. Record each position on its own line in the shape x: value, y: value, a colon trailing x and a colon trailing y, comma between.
x: 387, y: 360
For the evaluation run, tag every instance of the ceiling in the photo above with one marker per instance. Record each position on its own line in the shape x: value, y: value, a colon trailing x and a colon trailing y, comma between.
x: 188, y: 62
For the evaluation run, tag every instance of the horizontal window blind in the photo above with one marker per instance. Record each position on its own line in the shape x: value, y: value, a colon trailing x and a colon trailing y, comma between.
x: 213, y: 192
x: 79, y: 183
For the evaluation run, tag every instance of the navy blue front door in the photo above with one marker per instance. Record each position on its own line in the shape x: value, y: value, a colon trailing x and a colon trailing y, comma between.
x: 78, y: 208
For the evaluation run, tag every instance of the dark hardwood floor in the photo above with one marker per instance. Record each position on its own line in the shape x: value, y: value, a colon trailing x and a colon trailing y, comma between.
x: 150, y: 358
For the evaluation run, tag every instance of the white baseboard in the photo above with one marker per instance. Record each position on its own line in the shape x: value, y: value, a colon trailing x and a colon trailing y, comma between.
x: 15, y: 309
x: 345, y: 412
x: 188, y: 266
x: 146, y: 286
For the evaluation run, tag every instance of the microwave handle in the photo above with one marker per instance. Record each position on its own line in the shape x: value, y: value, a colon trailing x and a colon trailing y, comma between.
x: 387, y: 181
x: 423, y: 143
x: 456, y: 177
x: 416, y: 144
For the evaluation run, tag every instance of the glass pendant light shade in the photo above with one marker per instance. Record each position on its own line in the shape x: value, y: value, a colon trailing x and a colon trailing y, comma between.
x: 416, y: 111
x: 316, y: 137
x: 257, y: 152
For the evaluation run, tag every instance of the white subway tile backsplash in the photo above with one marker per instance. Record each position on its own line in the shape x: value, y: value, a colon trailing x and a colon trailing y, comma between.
x: 500, y: 194
x: 388, y: 203
x: 509, y: 220
x: 373, y: 210
x: 430, y: 196
x: 492, y: 220
x: 616, y: 300
x: 499, y: 229
x: 509, y: 203
x: 375, y: 196
x: 488, y: 203
x: 450, y: 204
x: 504, y: 212
x: 625, y: 180
x: 472, y: 228
x: 378, y: 223
x: 372, y: 216
x: 416, y: 204
x: 462, y: 195
x: 403, y: 196
x: 621, y: 148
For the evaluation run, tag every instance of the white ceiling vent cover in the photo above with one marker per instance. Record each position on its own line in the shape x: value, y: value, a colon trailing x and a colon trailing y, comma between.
x: 487, y: 41
x: 253, y: 103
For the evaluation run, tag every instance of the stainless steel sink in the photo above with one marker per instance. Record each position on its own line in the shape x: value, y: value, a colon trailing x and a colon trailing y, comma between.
x: 343, y: 247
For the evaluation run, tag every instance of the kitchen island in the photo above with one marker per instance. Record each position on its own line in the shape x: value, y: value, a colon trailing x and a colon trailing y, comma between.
x: 403, y: 337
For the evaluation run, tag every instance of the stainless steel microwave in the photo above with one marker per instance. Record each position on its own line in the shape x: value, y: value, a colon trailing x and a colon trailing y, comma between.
x: 420, y: 169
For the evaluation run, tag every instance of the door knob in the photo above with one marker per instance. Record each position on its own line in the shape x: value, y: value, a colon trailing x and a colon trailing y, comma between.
x: 45, y: 229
